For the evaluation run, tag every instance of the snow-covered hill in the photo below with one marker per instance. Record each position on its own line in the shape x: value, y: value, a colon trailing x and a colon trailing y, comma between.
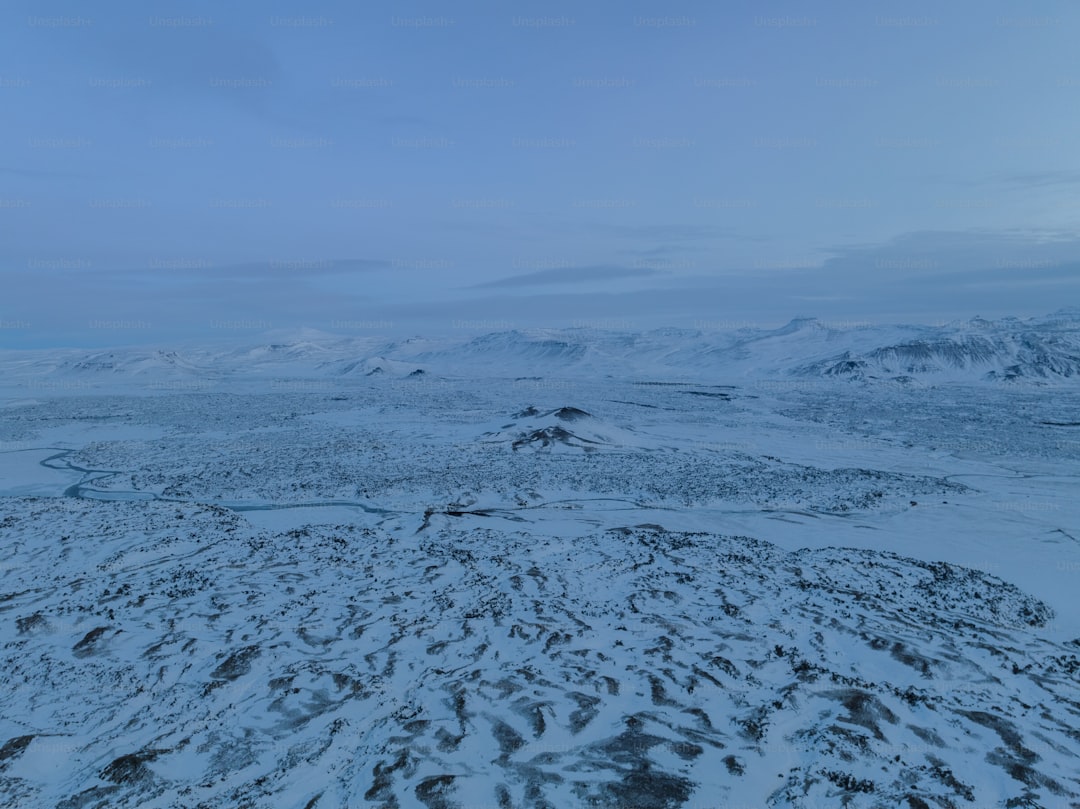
x: 163, y: 655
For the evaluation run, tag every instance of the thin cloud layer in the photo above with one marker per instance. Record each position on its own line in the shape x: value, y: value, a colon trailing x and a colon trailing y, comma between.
x: 570, y: 275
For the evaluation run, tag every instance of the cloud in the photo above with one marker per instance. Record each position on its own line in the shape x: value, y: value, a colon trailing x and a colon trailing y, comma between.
x: 937, y: 254
x: 570, y: 275
x: 209, y: 60
x: 674, y: 233
x: 40, y: 174
x: 1042, y: 179
x: 405, y: 120
x: 196, y: 269
x: 299, y: 267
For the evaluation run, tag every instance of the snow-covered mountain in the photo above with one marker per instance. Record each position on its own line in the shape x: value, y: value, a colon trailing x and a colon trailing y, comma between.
x: 1006, y: 350
x: 1036, y: 351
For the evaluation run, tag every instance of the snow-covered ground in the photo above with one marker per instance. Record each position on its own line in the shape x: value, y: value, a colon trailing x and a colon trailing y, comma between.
x: 808, y: 568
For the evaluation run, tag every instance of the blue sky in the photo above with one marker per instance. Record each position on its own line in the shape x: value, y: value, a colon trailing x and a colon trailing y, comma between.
x: 191, y: 170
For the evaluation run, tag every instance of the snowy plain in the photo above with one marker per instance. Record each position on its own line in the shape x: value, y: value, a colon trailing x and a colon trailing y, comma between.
x: 805, y: 567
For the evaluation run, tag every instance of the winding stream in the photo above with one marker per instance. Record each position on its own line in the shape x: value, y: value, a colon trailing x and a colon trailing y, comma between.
x: 83, y: 489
